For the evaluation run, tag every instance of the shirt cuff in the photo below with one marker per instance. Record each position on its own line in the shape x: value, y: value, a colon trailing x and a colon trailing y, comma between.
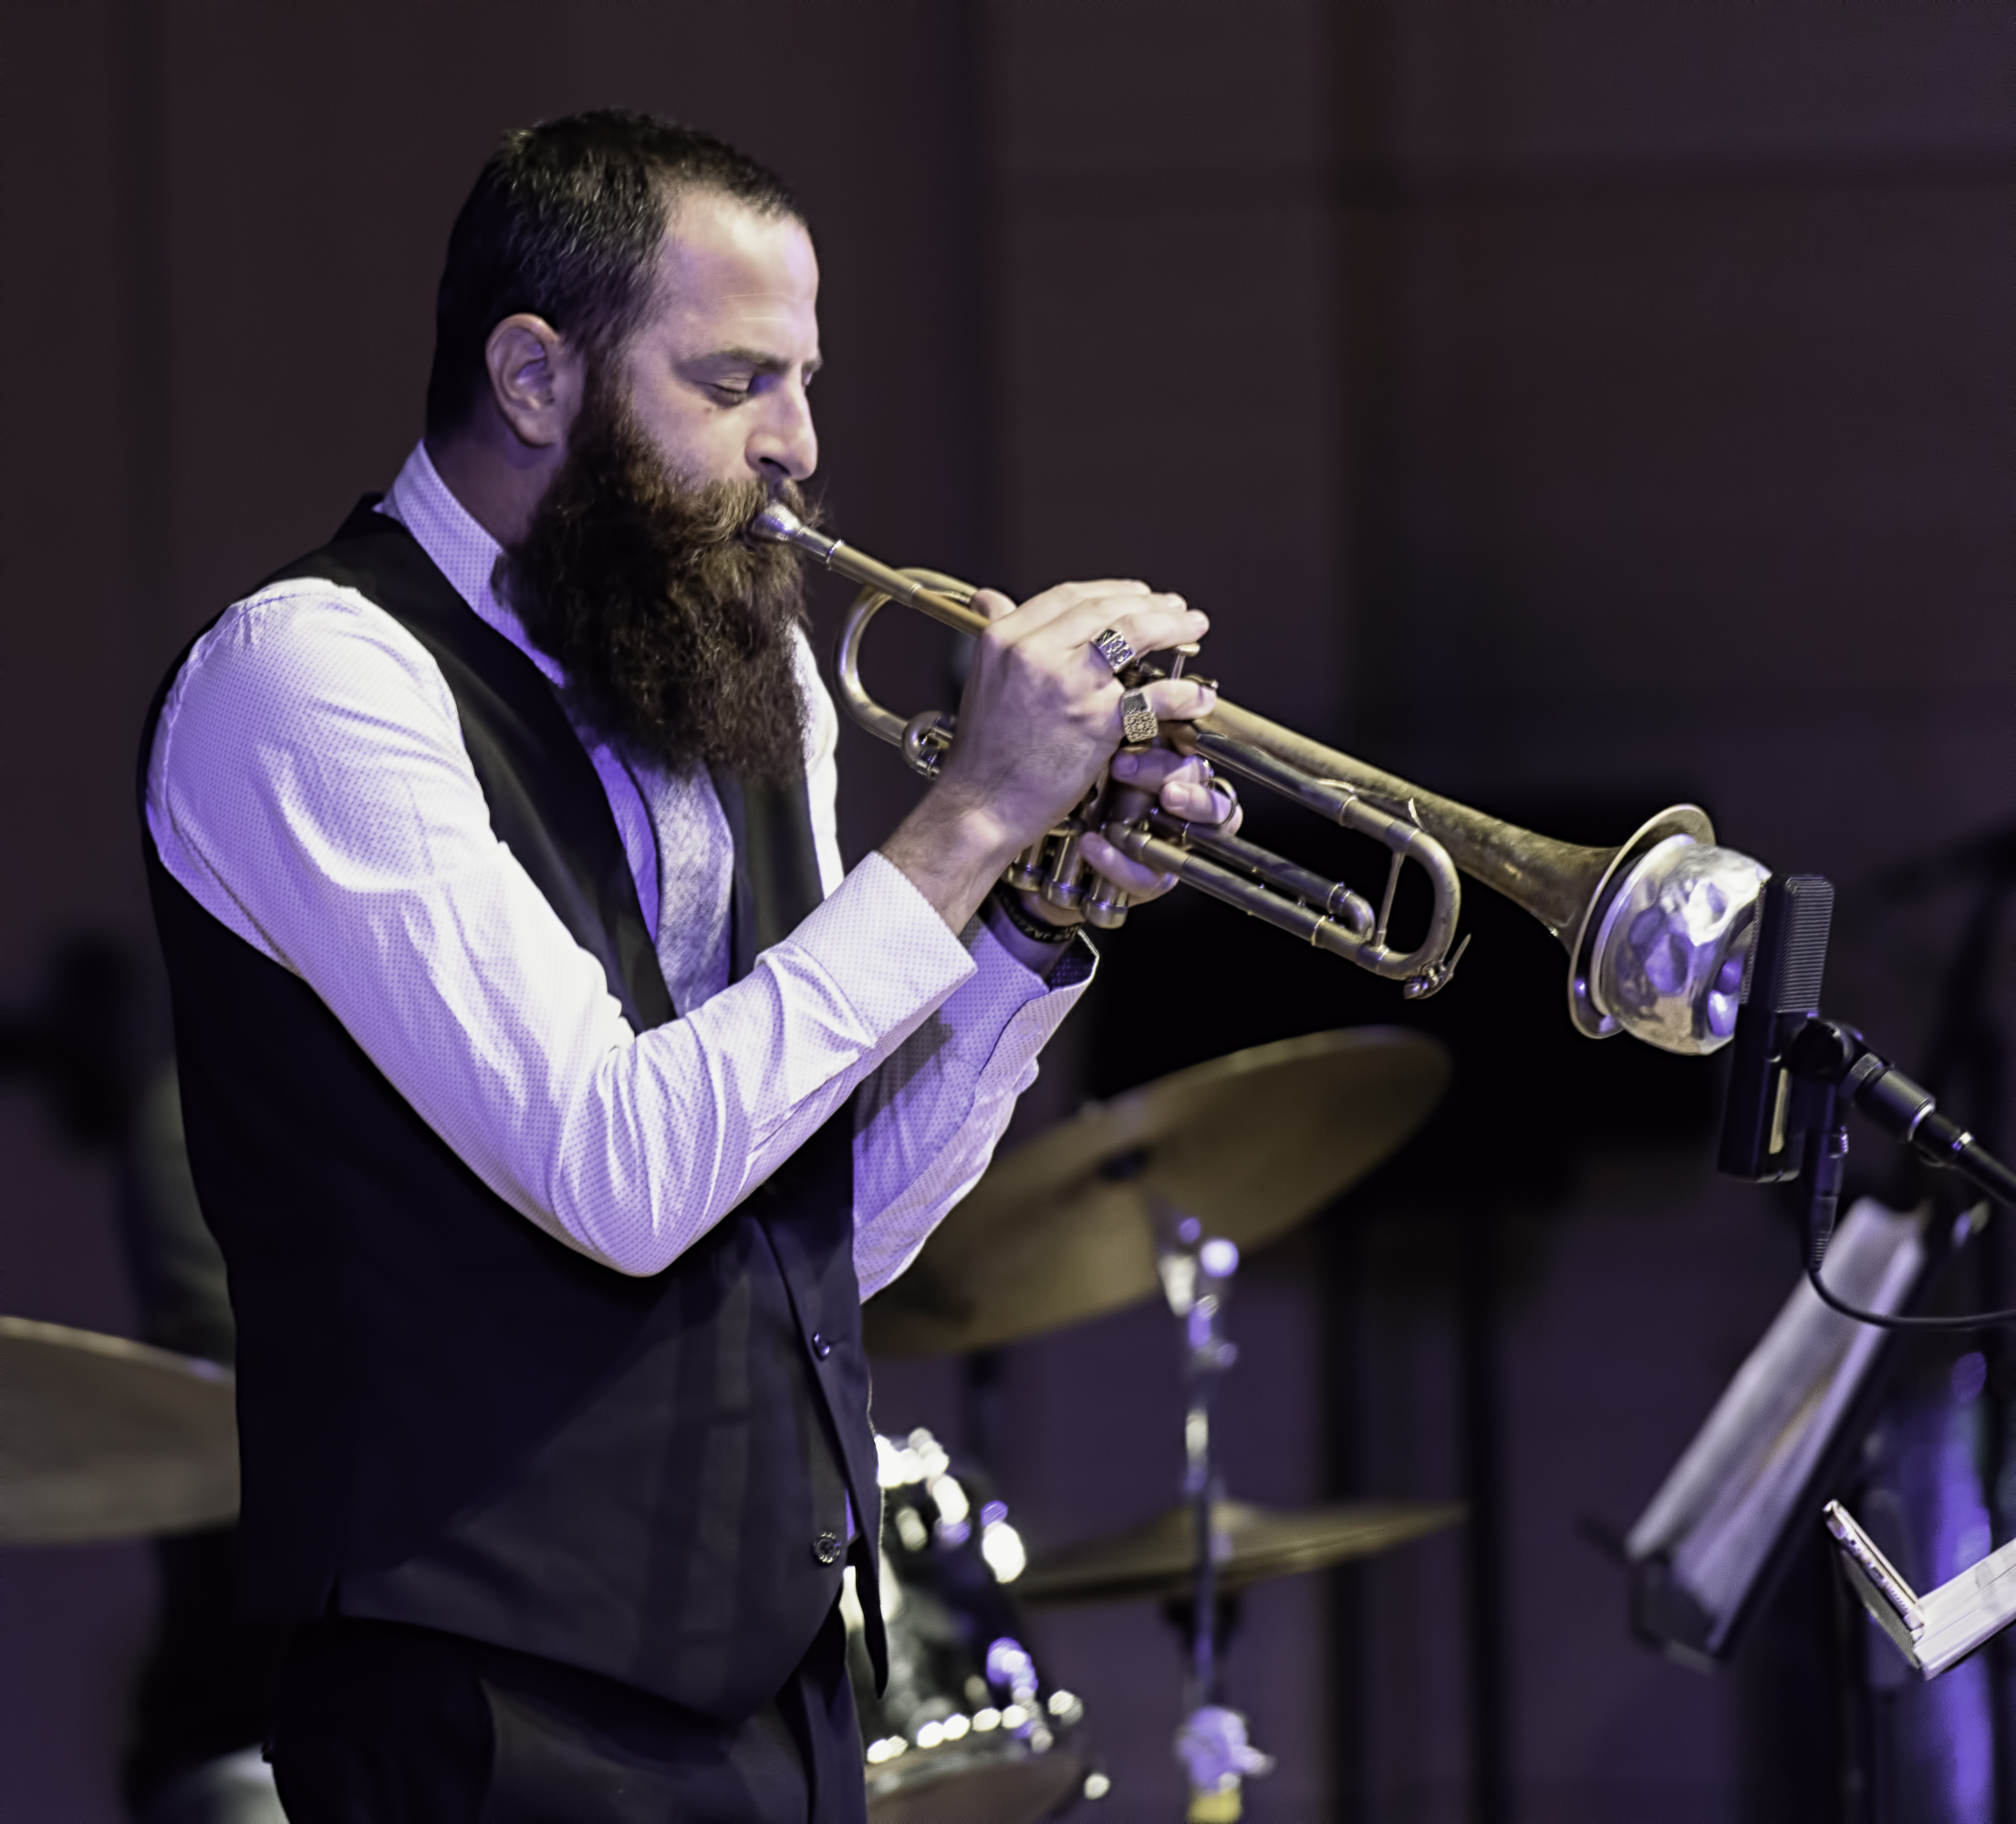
x: 1075, y: 966
x: 883, y: 947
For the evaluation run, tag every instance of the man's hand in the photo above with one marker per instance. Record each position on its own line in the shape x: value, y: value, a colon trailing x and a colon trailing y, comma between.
x: 1186, y: 790
x: 1040, y: 718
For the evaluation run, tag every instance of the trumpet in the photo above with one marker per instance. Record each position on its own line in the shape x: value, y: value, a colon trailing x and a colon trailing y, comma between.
x: 1657, y: 930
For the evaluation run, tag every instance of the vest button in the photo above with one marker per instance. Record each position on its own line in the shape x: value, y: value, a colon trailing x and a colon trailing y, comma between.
x: 827, y: 1547
x: 820, y: 1346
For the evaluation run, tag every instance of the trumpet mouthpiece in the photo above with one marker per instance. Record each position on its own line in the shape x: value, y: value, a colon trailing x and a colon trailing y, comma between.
x: 778, y: 523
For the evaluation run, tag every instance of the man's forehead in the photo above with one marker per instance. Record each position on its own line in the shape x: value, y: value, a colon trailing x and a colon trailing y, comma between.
x: 722, y: 260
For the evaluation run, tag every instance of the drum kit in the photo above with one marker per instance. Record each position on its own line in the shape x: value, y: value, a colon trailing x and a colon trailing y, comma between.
x: 1160, y: 1191
x: 101, y: 1438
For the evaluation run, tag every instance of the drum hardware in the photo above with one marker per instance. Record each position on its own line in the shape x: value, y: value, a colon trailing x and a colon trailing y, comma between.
x: 1197, y: 1280
x: 101, y: 1438
x: 1656, y: 929
x: 1249, y: 1545
x: 1197, y: 1272
x: 968, y: 1729
x: 1062, y: 1229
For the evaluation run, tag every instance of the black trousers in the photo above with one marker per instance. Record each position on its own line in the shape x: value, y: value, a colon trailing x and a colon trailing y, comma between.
x: 378, y: 1723
x: 207, y: 1689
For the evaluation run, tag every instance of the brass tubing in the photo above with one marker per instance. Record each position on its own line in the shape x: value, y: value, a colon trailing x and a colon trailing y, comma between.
x: 1314, y: 927
x: 1286, y: 876
x: 1551, y: 879
x: 1515, y: 862
x: 945, y: 603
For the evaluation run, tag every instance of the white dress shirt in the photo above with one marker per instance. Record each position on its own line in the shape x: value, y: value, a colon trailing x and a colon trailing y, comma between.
x: 310, y: 787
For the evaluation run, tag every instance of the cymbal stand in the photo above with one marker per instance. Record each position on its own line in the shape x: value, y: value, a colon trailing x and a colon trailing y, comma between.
x: 1197, y: 1276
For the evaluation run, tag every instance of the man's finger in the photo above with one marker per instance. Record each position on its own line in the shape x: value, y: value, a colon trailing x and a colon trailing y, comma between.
x: 1118, y: 594
x: 1148, y: 624
x: 1151, y: 768
x: 1180, y: 699
x: 1195, y: 801
x: 1137, y: 882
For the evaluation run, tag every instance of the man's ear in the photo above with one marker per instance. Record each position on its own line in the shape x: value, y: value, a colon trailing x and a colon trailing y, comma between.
x: 534, y: 379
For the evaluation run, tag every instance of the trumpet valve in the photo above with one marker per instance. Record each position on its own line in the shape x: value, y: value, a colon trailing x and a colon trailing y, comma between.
x: 1064, y: 881
x: 1025, y: 872
x: 1106, y: 906
x: 1120, y: 808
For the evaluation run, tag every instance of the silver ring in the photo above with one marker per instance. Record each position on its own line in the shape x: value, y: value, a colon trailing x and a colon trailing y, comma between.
x: 1137, y: 722
x: 1112, y: 646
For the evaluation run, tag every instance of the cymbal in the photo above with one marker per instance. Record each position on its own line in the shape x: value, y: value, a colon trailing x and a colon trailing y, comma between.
x: 101, y: 1438
x: 1250, y: 1144
x: 1249, y: 1544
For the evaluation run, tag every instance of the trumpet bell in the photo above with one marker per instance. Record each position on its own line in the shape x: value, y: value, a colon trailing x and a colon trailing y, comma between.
x: 1657, y: 930
x: 1663, y: 947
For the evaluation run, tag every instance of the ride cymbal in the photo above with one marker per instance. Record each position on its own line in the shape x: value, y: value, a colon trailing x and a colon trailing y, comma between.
x: 1250, y: 1144
x: 101, y: 1438
x: 1248, y: 1545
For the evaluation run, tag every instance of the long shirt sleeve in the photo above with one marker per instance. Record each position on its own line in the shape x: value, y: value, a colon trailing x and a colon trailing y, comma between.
x: 310, y: 787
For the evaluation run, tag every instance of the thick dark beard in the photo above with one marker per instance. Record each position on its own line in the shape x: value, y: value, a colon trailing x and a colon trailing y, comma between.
x: 676, y: 631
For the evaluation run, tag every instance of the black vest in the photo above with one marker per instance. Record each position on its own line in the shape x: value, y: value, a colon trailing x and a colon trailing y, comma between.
x: 447, y: 1417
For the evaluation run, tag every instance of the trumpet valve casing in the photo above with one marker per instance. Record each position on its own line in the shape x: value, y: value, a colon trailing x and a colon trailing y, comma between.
x: 1106, y: 904
x: 1025, y: 873
x: 1065, y: 877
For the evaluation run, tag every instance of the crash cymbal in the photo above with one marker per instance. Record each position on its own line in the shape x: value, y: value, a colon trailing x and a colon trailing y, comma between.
x: 103, y: 1439
x: 1250, y: 1144
x: 1249, y: 1544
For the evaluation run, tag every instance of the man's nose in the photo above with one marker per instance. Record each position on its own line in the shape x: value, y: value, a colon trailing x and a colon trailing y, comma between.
x: 785, y: 444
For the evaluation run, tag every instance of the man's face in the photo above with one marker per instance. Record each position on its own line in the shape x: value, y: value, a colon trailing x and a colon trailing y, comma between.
x: 678, y: 634
x: 717, y: 373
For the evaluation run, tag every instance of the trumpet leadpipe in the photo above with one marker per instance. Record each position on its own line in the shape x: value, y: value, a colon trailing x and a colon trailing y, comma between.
x: 942, y: 599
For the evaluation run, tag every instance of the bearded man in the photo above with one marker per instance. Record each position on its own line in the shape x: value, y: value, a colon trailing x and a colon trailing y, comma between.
x: 554, y: 1097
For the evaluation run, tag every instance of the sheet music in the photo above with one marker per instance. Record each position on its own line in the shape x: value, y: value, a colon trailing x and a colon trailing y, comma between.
x: 1716, y: 1515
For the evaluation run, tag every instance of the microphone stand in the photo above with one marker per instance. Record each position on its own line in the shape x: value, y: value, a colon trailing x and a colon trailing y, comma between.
x: 1970, y: 1051
x: 1967, y: 1044
x: 1845, y: 1072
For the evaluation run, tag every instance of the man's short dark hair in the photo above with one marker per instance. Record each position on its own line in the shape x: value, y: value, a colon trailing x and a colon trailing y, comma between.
x: 566, y: 222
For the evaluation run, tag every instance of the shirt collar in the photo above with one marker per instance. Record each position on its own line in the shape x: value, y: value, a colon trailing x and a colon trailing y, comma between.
x: 461, y: 550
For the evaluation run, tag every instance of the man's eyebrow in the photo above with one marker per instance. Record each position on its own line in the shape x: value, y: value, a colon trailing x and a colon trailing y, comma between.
x: 754, y: 360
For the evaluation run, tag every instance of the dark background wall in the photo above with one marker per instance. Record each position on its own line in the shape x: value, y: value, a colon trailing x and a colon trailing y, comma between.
x: 1573, y: 407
